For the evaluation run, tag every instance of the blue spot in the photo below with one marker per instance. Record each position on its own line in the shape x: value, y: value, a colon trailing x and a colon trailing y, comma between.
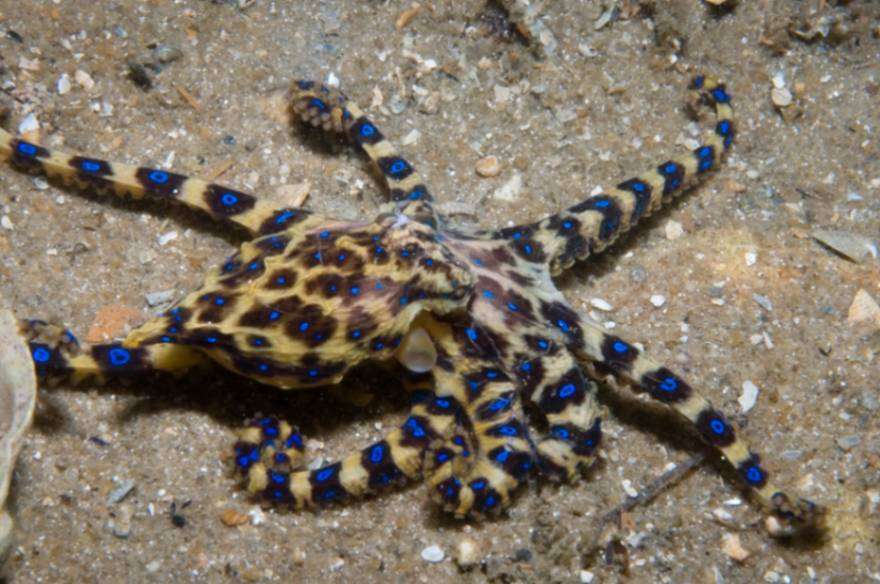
x: 442, y: 457
x: 303, y: 327
x: 698, y: 81
x: 620, y: 347
x: 294, y: 441
x: 527, y: 366
x: 562, y: 325
x: 367, y: 130
x: 258, y: 341
x: 404, y: 300
x: 219, y: 301
x: 324, y: 234
x: 280, y: 281
x: 277, y: 477
x: 543, y: 344
x: 717, y: 426
x: 263, y: 367
x: 471, y: 334
x: 405, y: 253
x: 317, y: 103
x: 356, y: 334
x: 166, y: 339
x: 528, y: 249
x: 26, y: 149
x: 489, y: 501
x: 414, y: 427
x: 442, y: 403
x: 228, y: 267
x: 669, y: 384
x: 228, y: 199
x: 639, y: 186
x: 119, y: 356
x: 341, y: 257
x: 281, y: 458
x: 377, y: 453
x: 567, y: 390
x: 284, y: 216
x: 354, y: 290
x: 211, y: 340
x: 670, y: 168
x: 499, y: 404
x: 512, y: 306
x: 313, y: 372
x: 561, y: 433
x: 602, y: 203
x: 478, y: 262
x: 517, y: 235
x: 274, y: 315
x: 378, y: 250
x: 415, y: 195
x: 173, y: 330
x: 720, y: 95
x: 508, y: 430
x: 479, y: 484
x: 474, y: 384
x: 567, y: 224
x: 90, y: 166
x: 254, y: 265
x: 378, y: 345
x: 502, y: 456
x: 324, y: 474
x: 491, y: 373
x: 754, y: 475
x: 42, y: 355
x: 379, y: 286
x: 159, y: 177
x: 398, y: 166
x: 429, y: 262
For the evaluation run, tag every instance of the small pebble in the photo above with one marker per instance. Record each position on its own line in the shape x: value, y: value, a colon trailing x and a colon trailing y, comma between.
x: 673, y: 230
x: 510, y: 190
x: 847, y: 443
x: 153, y: 566
x: 467, y: 553
x: 638, y: 274
x: 749, y: 396
x: 600, y: 304
x: 84, y: 79
x: 167, y: 237
x: 332, y: 80
x: 120, y: 523
x: 6, y: 222
x: 734, y: 549
x: 488, y: 166
x: 167, y: 53
x: 751, y: 258
x: 433, y: 554
x: 28, y: 124
x: 763, y: 302
x: 396, y: 104
x: 586, y: 577
x: 863, y: 309
x: 781, y: 97
x: 628, y: 488
x: 658, y: 300
x: 411, y: 138
x: 120, y: 492
x: 232, y: 518
x: 63, y: 84
x: 161, y: 297
x: 850, y: 245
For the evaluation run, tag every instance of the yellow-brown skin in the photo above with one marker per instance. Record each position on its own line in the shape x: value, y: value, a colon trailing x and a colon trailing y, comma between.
x: 476, y: 315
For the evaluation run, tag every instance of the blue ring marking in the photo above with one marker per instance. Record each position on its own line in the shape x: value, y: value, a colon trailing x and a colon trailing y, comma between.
x: 379, y: 286
x: 378, y: 345
x: 325, y: 474
x: 561, y: 433
x: 698, y: 81
x: 254, y: 265
x: 567, y: 224
x: 263, y: 367
x: 415, y: 195
x: 442, y: 403
x: 324, y: 234
x: 499, y: 404
x: 173, y: 330
x: 313, y: 372
x: 228, y: 200
x: 354, y: 290
x: 543, y: 344
x: 377, y: 454
x: 508, y: 430
x: 414, y: 427
x: 528, y: 249
x: 754, y: 474
x: 90, y: 166
x: 26, y: 149
x: 563, y: 325
x: 670, y: 168
x: 404, y: 300
x: 602, y: 204
x: 478, y: 262
x: 502, y: 455
x: 474, y: 384
x: 356, y: 334
x: 620, y: 347
x: 211, y: 340
x: 512, y: 306
x: 229, y: 266
x: 488, y: 294
x: 489, y: 501
x: 280, y: 281
x: 274, y: 315
x: 158, y: 177
x: 41, y: 355
x: 304, y: 326
x: 341, y: 257
x: 442, y: 457
x: 277, y: 477
x: 527, y: 366
x: 258, y: 341
x: 319, y: 104
x: 567, y: 390
x: 491, y: 374
x: 717, y: 426
x: 428, y: 262
x: 284, y: 216
x: 378, y: 250
x: 405, y: 253
x: 367, y: 130
x: 397, y: 167
x: 471, y: 333
x: 281, y: 458
x: 639, y: 186
x: 517, y: 235
x: 219, y: 301
x: 294, y: 441
x: 669, y: 385
x: 119, y: 356
x: 720, y: 95
x: 458, y: 440
x: 478, y: 485
x: 166, y: 339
